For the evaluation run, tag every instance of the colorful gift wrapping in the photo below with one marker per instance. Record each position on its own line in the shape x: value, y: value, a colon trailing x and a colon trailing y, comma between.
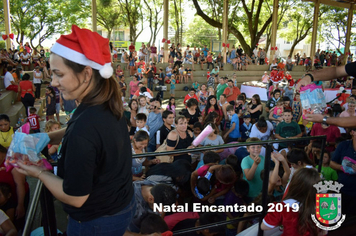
x: 27, y: 148
x: 312, y: 99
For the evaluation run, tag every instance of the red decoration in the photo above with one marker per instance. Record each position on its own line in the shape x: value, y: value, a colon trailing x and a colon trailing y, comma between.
x: 272, y: 48
x: 276, y: 48
x: 4, y: 37
x: 228, y: 45
x: 256, y: 44
x: 168, y: 41
x: 11, y: 36
x: 223, y: 44
x: 163, y: 40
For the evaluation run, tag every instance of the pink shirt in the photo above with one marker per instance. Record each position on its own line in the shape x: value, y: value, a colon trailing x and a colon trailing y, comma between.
x: 133, y: 87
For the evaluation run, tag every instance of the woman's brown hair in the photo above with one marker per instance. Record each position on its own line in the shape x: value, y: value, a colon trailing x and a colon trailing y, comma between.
x: 105, y: 91
x: 301, y: 189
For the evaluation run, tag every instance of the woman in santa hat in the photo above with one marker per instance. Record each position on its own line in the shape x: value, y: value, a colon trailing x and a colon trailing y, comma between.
x: 94, y: 180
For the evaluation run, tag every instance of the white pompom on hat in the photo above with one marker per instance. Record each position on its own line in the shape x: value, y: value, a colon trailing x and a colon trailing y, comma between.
x: 86, y: 48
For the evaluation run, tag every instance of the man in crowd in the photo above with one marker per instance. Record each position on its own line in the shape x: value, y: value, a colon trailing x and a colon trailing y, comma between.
x: 231, y: 92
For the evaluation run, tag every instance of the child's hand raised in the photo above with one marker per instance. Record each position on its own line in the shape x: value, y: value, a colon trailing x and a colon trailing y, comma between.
x: 257, y: 159
x: 277, y: 156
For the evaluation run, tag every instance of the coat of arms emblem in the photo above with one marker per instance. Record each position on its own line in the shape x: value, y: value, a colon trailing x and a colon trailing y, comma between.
x: 328, y: 206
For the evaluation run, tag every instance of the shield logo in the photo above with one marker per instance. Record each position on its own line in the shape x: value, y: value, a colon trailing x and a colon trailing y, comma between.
x: 328, y: 208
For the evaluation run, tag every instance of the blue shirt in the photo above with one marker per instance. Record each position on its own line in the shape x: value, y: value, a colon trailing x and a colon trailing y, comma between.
x: 236, y: 132
x: 154, y: 121
x: 345, y: 149
x: 205, y: 51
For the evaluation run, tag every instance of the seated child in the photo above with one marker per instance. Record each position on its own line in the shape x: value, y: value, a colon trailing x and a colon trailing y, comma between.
x: 141, y: 120
x: 327, y: 172
x: 276, y: 113
x: 7, y: 204
x: 52, y: 126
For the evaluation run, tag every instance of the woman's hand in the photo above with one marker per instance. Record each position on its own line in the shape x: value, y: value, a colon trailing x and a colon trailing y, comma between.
x: 303, y: 82
x: 277, y: 156
x: 29, y: 170
x: 314, y: 118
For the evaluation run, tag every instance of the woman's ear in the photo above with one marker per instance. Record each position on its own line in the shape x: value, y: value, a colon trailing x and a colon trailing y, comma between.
x: 88, y: 73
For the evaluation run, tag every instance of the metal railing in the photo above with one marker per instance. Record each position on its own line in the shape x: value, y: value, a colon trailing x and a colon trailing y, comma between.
x: 48, y: 214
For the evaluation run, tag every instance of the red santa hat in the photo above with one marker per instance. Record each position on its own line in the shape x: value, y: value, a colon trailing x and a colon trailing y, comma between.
x: 86, y: 48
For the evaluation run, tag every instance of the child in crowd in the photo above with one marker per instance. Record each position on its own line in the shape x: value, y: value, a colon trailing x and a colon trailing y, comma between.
x: 273, y: 101
x: 246, y: 127
x: 265, y: 78
x: 301, y: 183
x: 297, y: 107
x: 209, y: 157
x: 50, y: 103
x: 172, y: 105
x: 197, y: 128
x: 141, y: 119
x: 139, y: 143
x: 287, y: 128
x: 195, y: 85
x: 276, y: 113
x: 237, y: 195
x: 252, y: 166
x: 153, y: 224
x: 234, y: 132
x: 34, y: 119
x: 298, y: 159
x: 327, y: 172
x: 278, y: 179
x: 287, y: 103
x: 51, y: 126
x: 119, y: 72
x: 143, y: 107
x: 224, y: 180
x: 173, y: 85
x: 7, y: 204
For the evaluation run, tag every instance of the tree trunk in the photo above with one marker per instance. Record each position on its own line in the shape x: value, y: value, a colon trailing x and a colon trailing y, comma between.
x: 292, y: 49
x: 109, y: 34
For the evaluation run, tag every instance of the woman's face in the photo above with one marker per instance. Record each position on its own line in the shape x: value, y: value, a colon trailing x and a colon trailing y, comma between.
x: 352, y: 107
x: 173, y: 101
x: 254, y: 102
x: 212, y: 101
x: 203, y: 87
x: 134, y: 106
x: 72, y: 86
x: 141, y: 144
x: 182, y: 125
x: 277, y: 95
x: 4, y: 125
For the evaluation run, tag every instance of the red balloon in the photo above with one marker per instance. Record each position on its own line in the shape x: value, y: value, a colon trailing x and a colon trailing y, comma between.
x: 163, y: 40
x: 228, y: 45
x: 4, y: 37
x: 11, y: 36
x: 168, y: 41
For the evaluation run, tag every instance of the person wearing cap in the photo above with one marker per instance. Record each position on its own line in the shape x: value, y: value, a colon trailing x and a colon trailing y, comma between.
x: 94, y: 180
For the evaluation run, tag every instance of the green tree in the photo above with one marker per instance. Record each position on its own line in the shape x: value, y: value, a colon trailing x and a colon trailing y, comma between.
x: 109, y: 16
x: 299, y: 23
x: 248, y: 21
x: 334, y: 27
x: 132, y: 16
x: 42, y: 19
x: 154, y: 17
x: 200, y: 33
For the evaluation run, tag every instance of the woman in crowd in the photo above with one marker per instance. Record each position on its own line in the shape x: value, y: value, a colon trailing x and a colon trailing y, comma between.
x: 97, y: 195
x: 27, y: 89
x: 211, y: 106
x: 180, y: 138
x: 255, y: 108
x: 192, y: 112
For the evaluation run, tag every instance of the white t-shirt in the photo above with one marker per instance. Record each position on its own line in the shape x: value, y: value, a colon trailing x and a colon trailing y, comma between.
x: 255, y: 133
x: 7, y: 79
x: 3, y: 218
x: 25, y: 57
x: 37, y: 81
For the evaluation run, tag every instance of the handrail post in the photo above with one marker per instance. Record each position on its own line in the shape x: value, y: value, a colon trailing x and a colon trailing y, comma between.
x: 32, y: 209
x: 265, y: 184
x: 48, y: 213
